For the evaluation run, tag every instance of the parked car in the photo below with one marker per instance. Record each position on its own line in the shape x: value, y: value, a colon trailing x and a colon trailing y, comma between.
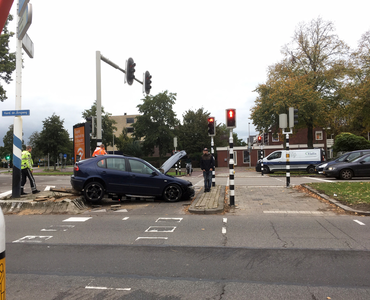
x: 360, y: 167
x: 348, y: 156
x: 118, y: 175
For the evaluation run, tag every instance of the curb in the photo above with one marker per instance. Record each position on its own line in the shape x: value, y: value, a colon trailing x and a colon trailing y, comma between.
x: 335, y: 202
x: 204, y: 203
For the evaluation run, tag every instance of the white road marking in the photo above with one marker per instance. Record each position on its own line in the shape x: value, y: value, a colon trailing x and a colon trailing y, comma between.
x: 58, y: 227
x: 319, y: 179
x: 33, y: 239
x: 223, y: 230
x: 161, y: 229
x: 77, y: 219
x: 152, y: 238
x: 199, y: 183
x: 125, y: 218
x: 168, y: 219
x: 5, y: 194
x: 292, y: 212
x: 48, y: 187
x: 224, y: 220
x: 121, y: 210
x: 358, y: 222
x: 106, y: 288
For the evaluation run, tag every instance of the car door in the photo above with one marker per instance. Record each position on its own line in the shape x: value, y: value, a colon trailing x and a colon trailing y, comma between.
x: 113, y: 171
x: 144, y: 179
x: 363, y: 166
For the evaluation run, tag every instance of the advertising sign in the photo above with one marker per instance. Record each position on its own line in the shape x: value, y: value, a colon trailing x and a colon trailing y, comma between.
x: 81, y: 141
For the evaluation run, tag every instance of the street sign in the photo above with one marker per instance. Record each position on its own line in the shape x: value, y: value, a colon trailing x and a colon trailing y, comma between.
x: 22, y: 6
x: 25, y: 21
x: 15, y: 113
x: 65, y: 156
x: 27, y: 45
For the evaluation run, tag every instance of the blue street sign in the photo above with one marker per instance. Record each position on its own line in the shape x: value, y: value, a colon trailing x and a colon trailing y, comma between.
x: 14, y: 113
x: 65, y: 156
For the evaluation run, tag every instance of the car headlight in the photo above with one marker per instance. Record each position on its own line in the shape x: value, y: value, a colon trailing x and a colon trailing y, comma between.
x: 331, y: 168
x: 323, y: 166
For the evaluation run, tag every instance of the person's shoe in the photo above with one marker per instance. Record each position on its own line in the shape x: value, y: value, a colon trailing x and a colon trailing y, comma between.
x: 35, y: 192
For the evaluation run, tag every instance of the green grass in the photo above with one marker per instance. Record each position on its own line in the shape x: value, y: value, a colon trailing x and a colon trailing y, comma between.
x: 351, y: 193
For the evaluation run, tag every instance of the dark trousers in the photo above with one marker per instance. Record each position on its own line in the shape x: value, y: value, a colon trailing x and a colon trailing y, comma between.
x: 26, y: 173
x: 207, y: 175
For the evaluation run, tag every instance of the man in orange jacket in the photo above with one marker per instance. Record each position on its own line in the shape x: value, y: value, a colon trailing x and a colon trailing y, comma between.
x: 99, y: 150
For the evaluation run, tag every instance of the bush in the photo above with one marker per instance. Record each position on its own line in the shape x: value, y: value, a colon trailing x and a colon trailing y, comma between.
x: 349, y: 142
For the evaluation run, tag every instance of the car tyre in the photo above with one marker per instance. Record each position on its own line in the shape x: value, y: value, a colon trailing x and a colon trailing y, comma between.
x: 94, y: 191
x: 311, y: 169
x: 172, y: 193
x: 266, y: 170
x: 346, y: 174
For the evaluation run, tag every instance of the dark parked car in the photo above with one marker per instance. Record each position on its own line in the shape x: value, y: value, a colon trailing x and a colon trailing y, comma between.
x: 349, y: 156
x: 119, y: 175
x: 360, y: 167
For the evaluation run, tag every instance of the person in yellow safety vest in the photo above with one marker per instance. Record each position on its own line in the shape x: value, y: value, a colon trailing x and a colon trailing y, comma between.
x: 100, y: 150
x: 26, y: 169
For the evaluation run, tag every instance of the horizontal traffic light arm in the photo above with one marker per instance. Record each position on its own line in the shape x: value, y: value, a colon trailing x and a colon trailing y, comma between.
x: 106, y: 60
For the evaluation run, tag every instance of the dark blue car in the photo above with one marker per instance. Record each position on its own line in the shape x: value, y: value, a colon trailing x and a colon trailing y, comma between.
x: 120, y: 176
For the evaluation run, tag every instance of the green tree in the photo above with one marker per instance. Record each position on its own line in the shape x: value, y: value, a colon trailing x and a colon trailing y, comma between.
x: 128, y: 145
x: 309, y: 78
x: 7, y: 59
x: 107, y: 126
x: 156, y: 123
x: 54, y: 138
x: 36, y: 152
x: 349, y: 142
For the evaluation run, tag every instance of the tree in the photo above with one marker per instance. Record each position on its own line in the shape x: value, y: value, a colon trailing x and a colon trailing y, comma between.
x: 156, y: 123
x: 128, y: 145
x: 349, y: 142
x: 54, y: 138
x: 7, y: 59
x: 107, y: 126
x: 309, y: 78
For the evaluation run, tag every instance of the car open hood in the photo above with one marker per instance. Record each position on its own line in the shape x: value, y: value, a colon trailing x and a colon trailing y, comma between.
x: 167, y: 165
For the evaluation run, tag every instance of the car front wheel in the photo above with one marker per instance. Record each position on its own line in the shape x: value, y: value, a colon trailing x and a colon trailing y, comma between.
x: 346, y: 174
x: 172, y: 193
x: 94, y: 191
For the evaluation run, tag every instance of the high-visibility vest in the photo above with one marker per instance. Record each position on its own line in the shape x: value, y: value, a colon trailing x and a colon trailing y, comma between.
x: 99, y: 151
x: 27, y: 161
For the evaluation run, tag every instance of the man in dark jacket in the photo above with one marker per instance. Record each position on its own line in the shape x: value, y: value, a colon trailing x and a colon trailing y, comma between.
x: 207, y: 165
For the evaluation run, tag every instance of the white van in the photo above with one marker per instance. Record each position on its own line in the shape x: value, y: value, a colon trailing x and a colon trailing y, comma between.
x: 304, y: 159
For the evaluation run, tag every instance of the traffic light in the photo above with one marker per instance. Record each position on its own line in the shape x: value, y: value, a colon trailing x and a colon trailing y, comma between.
x: 230, y: 118
x: 7, y: 157
x: 211, y: 126
x: 259, y: 139
x: 293, y: 116
x: 147, y: 81
x: 130, y: 70
x: 265, y: 138
x: 92, y: 126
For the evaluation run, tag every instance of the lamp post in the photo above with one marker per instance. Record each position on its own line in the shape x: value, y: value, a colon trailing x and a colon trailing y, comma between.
x: 113, y: 139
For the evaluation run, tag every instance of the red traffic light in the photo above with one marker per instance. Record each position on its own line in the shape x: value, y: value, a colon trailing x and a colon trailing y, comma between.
x: 211, y: 126
x: 259, y: 138
x: 211, y: 120
x: 230, y: 118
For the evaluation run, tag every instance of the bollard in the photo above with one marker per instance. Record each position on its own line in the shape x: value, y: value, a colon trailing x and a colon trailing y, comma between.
x: 2, y: 256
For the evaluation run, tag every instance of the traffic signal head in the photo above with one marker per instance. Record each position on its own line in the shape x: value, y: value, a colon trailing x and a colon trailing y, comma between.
x: 7, y: 157
x: 130, y: 70
x: 147, y: 82
x: 211, y: 126
x: 293, y: 116
x: 259, y: 139
x: 230, y: 118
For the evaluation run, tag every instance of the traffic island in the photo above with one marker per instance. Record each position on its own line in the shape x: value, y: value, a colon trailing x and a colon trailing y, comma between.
x: 209, y: 203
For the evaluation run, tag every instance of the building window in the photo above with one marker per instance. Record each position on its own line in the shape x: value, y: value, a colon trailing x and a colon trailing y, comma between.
x: 275, y: 137
x: 318, y: 135
x: 130, y: 129
x: 246, y: 157
x: 130, y: 120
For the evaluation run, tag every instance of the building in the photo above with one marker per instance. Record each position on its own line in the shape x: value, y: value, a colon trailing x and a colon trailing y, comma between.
x: 122, y: 121
x: 272, y: 142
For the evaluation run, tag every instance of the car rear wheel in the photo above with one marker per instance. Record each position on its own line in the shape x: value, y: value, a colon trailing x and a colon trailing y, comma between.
x: 346, y: 174
x: 172, y: 193
x: 311, y: 169
x: 94, y: 191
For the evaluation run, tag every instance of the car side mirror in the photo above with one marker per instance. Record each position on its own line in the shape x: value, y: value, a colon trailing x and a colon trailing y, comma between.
x: 154, y: 173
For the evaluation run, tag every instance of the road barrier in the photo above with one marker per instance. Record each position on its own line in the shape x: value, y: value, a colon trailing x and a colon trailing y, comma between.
x: 2, y: 256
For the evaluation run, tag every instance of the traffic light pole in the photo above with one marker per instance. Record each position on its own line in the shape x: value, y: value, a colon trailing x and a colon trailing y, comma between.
x: 231, y: 170
x: 213, y: 171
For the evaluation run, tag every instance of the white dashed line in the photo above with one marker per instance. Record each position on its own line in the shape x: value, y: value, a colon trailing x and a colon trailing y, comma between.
x: 151, y: 238
x: 224, y: 220
x: 106, y: 288
x: 125, y: 218
x: 77, y: 219
x: 358, y: 222
x: 223, y: 230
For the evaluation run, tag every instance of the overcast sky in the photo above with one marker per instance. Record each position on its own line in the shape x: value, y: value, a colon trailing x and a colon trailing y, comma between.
x: 212, y: 53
